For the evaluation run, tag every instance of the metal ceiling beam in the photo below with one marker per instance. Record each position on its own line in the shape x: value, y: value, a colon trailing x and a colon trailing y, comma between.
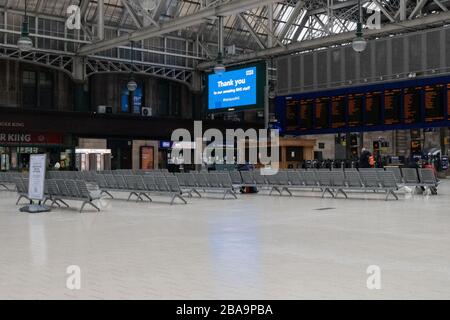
x: 336, y: 39
x: 133, y: 14
x: 176, y: 24
x: 159, y: 10
x: 383, y: 9
x: 294, y: 16
x: 417, y: 8
x: 252, y: 31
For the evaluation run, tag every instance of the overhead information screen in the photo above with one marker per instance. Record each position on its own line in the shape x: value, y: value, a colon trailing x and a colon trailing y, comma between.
x: 434, y: 96
x: 235, y: 88
x: 355, y: 110
x: 306, y: 114
x: 291, y: 115
x: 406, y: 104
x: 448, y: 101
x: 373, y: 108
x: 392, y: 106
x: 411, y: 105
x: 338, y: 106
x: 322, y: 105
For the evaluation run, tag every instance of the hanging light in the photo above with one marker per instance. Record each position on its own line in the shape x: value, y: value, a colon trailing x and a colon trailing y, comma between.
x: 25, y: 43
x: 219, y: 68
x: 359, y: 44
x: 132, y: 85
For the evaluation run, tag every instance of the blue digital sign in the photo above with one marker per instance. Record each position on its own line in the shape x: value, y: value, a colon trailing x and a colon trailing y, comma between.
x: 235, y: 88
x: 137, y: 100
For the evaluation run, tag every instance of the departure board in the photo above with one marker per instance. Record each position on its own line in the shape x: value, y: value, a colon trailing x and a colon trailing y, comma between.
x: 322, y: 105
x: 411, y: 105
x: 338, y: 110
x: 448, y: 101
x: 392, y: 106
x: 306, y: 114
x: 373, y: 108
x: 434, y: 107
x: 291, y: 115
x: 355, y: 110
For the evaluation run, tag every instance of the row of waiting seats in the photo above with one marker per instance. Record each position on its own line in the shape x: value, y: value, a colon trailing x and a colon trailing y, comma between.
x: 141, y: 186
x: 57, y: 190
x: 194, y: 182
x: 337, y: 181
x: 7, y: 180
x: 330, y: 182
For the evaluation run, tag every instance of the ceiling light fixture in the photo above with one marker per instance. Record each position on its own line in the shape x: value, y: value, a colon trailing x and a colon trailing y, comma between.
x: 25, y: 43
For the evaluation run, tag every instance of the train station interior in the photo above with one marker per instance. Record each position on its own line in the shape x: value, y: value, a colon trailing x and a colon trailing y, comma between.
x: 224, y: 149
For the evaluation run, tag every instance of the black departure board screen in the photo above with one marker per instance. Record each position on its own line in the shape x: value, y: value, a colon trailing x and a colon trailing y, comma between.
x: 338, y: 109
x: 306, y: 114
x: 373, y: 108
x: 411, y: 105
x: 322, y: 106
x: 355, y: 110
x: 434, y: 107
x: 448, y: 101
x: 291, y: 115
x: 392, y: 106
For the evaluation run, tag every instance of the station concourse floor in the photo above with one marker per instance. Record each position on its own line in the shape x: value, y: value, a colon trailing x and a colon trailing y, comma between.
x: 256, y: 247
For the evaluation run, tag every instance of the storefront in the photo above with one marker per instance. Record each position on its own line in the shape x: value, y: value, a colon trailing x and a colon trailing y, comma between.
x: 16, y: 148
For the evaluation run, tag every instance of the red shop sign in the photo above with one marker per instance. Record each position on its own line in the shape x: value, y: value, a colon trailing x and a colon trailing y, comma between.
x: 30, y: 138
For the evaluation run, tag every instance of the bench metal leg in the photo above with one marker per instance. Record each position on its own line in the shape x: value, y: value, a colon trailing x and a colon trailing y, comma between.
x: 276, y: 189
x: 341, y: 191
x: 4, y: 186
x: 146, y: 195
x: 106, y: 192
x: 131, y: 194
x: 55, y: 201
x: 196, y: 192
x: 389, y: 192
x: 287, y: 190
x: 64, y: 203
x: 229, y: 191
x: 175, y: 196
x: 325, y: 190
x: 90, y: 203
x: 20, y: 198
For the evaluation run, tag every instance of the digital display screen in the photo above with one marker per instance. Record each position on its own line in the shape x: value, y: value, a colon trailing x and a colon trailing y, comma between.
x: 137, y: 100
x: 338, y: 110
x: 392, y: 106
x: 448, y: 101
x: 306, y: 114
x: 291, y: 114
x: 373, y: 108
x: 235, y: 88
x: 434, y: 96
x: 355, y: 110
x: 411, y: 105
x: 321, y: 113
x: 380, y: 107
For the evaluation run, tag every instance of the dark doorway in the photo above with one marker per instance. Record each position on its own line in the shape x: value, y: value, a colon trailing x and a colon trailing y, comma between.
x: 121, y: 153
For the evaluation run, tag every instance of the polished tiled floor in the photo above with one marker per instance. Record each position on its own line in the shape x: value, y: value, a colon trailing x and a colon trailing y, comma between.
x: 257, y: 247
